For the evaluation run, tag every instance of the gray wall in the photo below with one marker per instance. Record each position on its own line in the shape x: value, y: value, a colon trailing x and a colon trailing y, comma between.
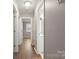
x: 54, y: 30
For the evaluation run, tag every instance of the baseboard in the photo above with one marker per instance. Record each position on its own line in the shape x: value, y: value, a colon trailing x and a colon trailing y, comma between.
x: 39, y: 54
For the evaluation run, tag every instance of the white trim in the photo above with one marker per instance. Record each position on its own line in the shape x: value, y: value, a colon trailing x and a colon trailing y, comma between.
x: 41, y: 54
x: 26, y: 17
x: 39, y: 5
x: 15, y: 5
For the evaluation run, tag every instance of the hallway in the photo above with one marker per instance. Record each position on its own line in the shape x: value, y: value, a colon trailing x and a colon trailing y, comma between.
x: 28, y: 24
x: 26, y: 51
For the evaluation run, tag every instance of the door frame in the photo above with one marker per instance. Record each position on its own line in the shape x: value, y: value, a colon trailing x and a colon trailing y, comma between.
x: 22, y: 24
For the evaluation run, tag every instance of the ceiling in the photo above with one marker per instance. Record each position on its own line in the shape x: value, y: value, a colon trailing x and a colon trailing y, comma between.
x: 23, y: 11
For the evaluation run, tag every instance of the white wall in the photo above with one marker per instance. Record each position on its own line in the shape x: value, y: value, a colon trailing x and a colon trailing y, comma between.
x: 16, y: 36
x: 40, y: 39
x: 18, y: 28
x: 34, y: 30
x: 20, y: 33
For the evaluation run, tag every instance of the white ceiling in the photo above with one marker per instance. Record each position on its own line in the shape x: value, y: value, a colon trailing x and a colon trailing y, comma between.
x: 23, y: 11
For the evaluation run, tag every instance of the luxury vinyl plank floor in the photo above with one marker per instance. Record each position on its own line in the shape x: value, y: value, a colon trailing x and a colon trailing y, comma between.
x: 26, y: 51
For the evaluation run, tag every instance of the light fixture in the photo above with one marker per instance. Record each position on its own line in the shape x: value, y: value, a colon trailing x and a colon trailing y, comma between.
x: 27, y: 3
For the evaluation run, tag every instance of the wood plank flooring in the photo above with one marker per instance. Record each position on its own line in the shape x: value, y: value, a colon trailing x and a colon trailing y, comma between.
x: 26, y: 51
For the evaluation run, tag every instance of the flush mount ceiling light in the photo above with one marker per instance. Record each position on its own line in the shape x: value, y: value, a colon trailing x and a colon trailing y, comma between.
x: 27, y: 3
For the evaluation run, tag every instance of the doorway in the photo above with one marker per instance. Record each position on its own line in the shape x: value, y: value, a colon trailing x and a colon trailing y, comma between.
x: 27, y: 28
